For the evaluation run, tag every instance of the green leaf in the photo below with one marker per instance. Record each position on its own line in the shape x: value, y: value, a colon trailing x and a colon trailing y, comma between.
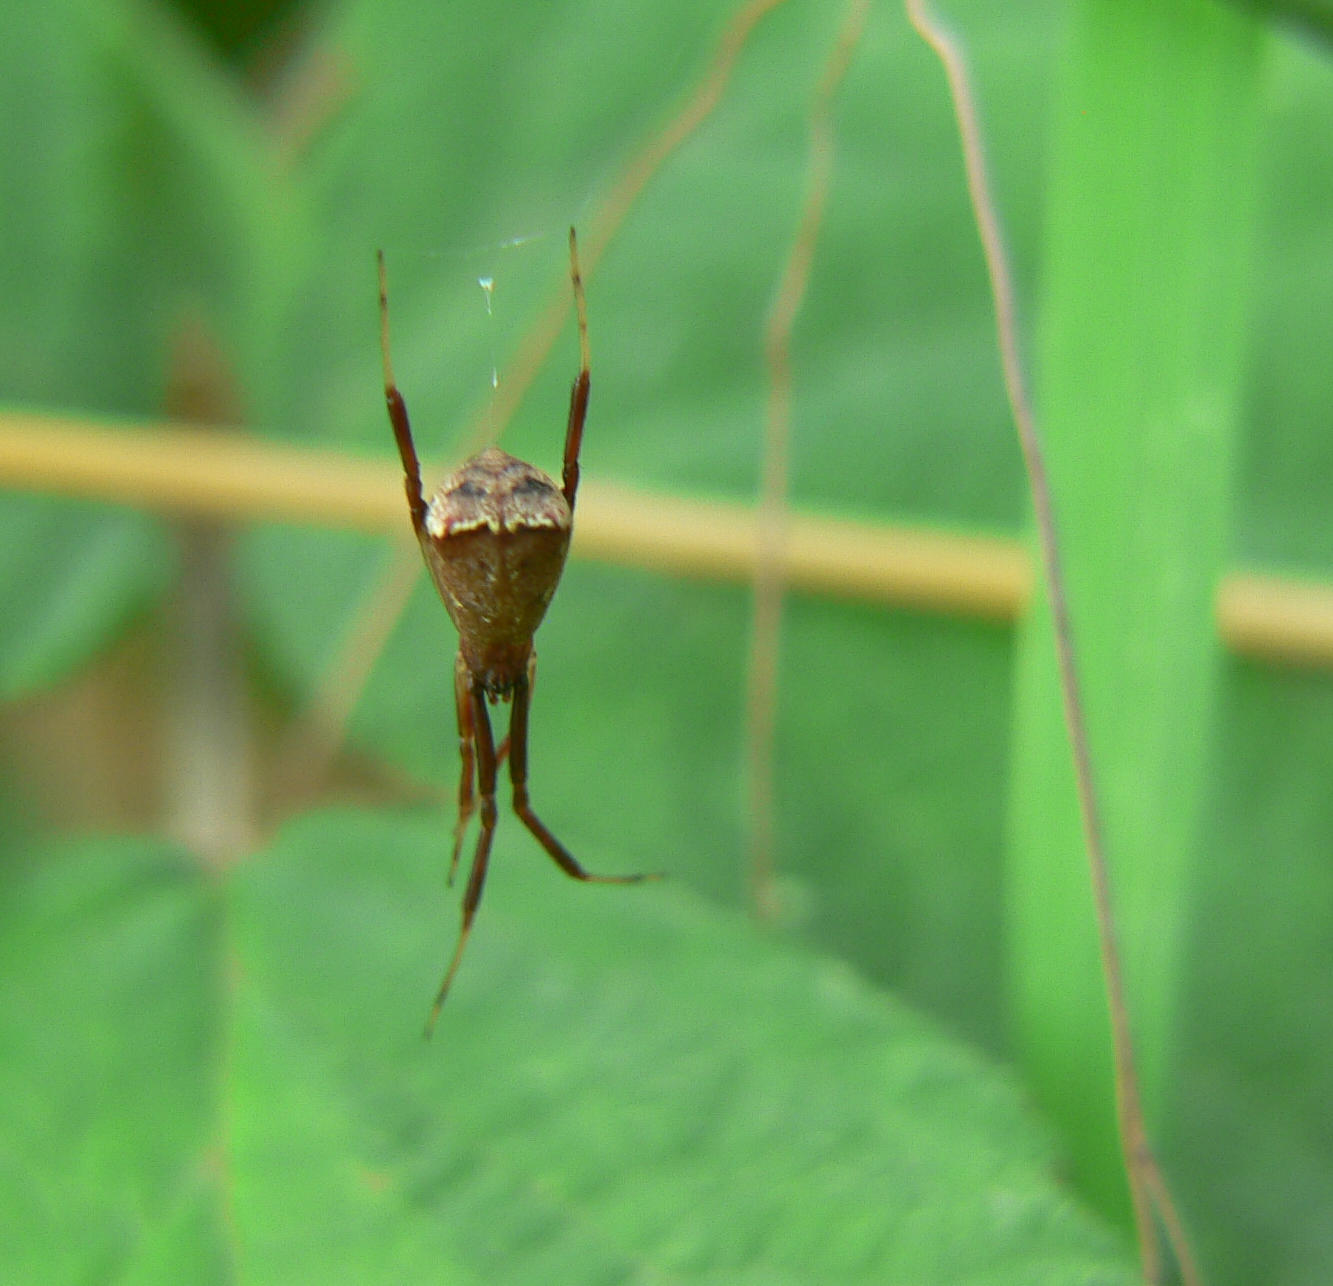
x: 134, y: 179
x: 1142, y: 361
x: 1287, y: 492
x: 135, y: 201
x: 72, y: 576
x: 1249, y: 1133
x: 1314, y: 16
x: 111, y: 1026
x: 625, y: 1084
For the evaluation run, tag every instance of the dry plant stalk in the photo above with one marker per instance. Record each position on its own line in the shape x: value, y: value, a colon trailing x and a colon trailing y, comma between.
x: 210, y: 765
x: 773, y: 516
x: 168, y: 467
x: 1147, y: 1184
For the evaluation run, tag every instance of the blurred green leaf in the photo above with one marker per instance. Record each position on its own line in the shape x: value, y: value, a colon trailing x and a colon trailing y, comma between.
x: 893, y: 741
x: 1314, y: 16
x: 135, y: 200
x: 110, y: 979
x: 135, y: 181
x: 1142, y: 361
x: 1287, y: 467
x: 1249, y: 1132
x: 625, y: 1083
x: 72, y: 575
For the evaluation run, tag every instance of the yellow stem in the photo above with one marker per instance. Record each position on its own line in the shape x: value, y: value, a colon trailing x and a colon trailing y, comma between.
x: 172, y: 468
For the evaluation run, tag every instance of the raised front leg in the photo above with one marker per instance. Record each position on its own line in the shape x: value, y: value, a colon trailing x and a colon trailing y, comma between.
x: 402, y: 430
x: 578, y: 395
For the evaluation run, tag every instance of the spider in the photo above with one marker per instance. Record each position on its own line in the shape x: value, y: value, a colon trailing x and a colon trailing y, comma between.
x: 494, y: 537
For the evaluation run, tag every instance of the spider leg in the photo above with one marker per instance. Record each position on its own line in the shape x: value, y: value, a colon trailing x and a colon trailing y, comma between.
x: 578, y: 395
x: 518, y: 774
x: 486, y: 769
x: 466, y: 741
x: 402, y: 430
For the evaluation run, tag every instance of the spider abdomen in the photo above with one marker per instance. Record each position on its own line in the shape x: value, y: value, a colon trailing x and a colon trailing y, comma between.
x: 495, y: 539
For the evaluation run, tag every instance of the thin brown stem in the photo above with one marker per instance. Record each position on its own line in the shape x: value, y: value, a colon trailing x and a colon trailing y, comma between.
x: 309, y: 94
x: 210, y: 765
x: 700, y: 104
x: 1147, y: 1184
x: 606, y: 222
x: 773, y: 515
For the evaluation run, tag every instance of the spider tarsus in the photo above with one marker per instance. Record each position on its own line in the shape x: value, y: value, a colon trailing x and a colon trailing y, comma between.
x: 429, y: 1029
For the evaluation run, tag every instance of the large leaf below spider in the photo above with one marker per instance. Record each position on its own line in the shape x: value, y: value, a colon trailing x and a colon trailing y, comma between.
x: 626, y: 1084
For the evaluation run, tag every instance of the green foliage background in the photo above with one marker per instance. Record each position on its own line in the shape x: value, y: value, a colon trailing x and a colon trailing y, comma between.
x: 214, y: 1078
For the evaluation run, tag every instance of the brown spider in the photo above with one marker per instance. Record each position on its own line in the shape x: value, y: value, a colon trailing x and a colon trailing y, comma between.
x: 494, y: 538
